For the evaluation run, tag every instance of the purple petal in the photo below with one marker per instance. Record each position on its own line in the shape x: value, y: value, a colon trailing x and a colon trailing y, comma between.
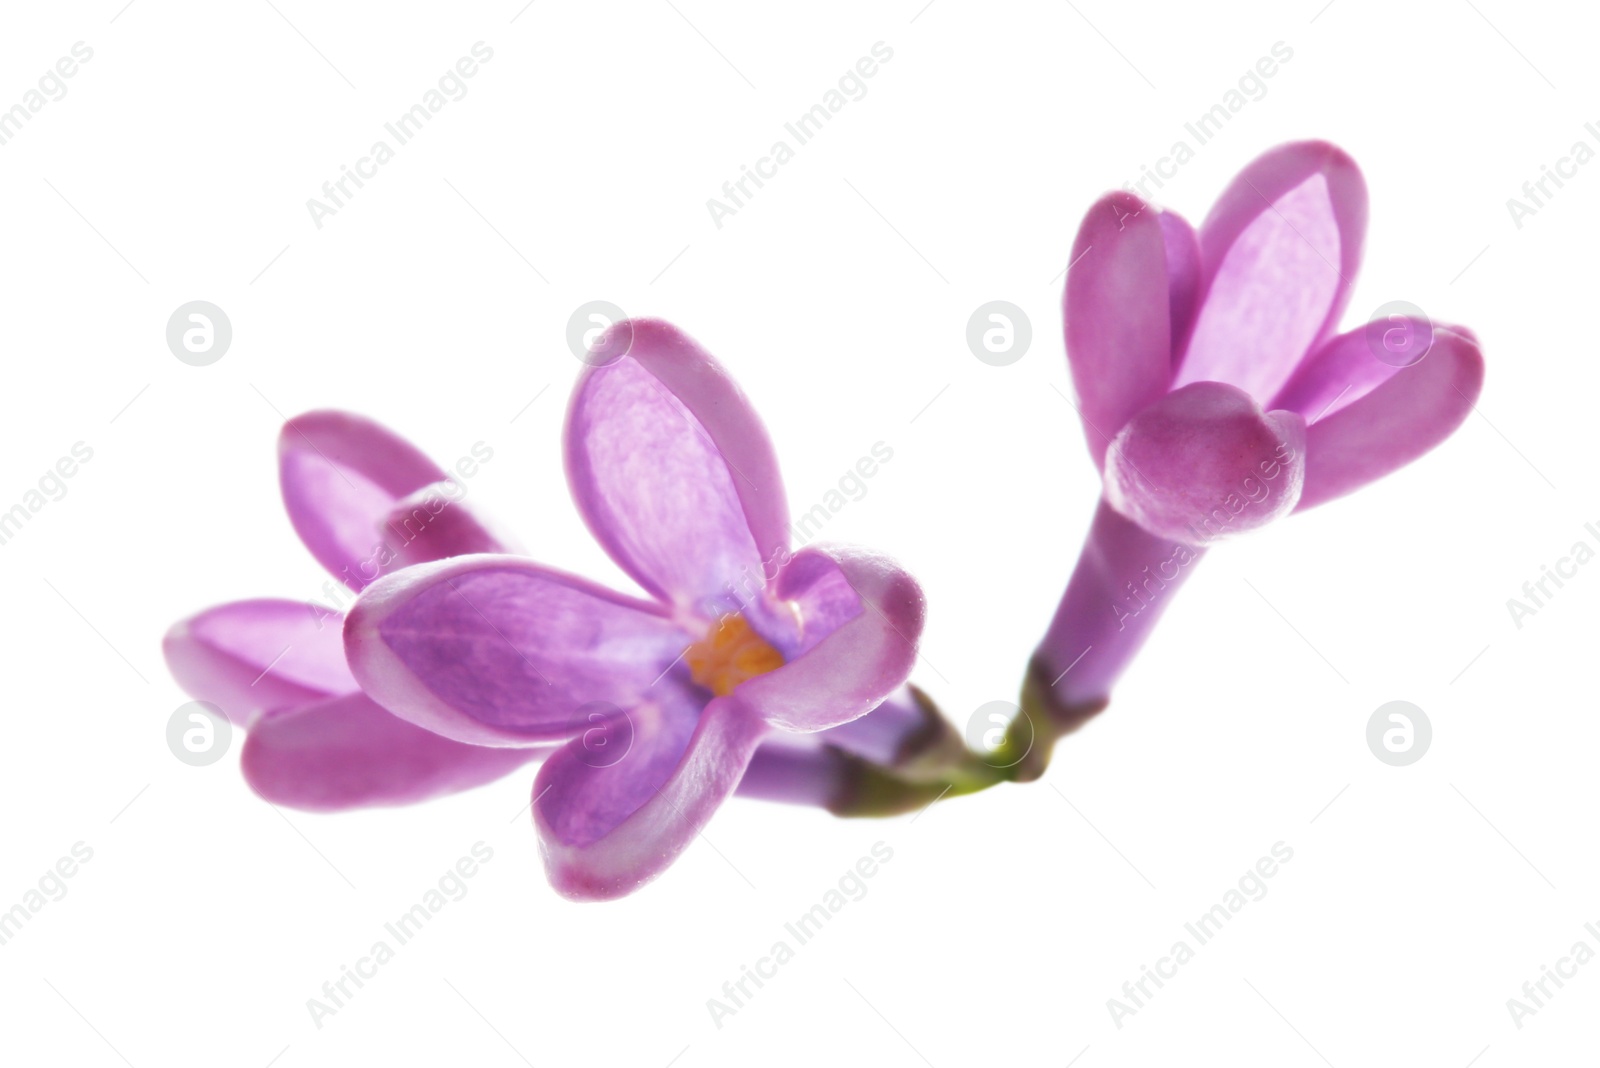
x: 793, y: 772
x: 607, y: 828
x: 1413, y: 409
x: 605, y: 831
x: 1204, y: 463
x: 1118, y: 309
x: 497, y: 650
x: 896, y: 731
x: 348, y: 752
x: 860, y: 616
x: 433, y: 524
x: 1183, y: 275
x: 823, y: 768
x: 602, y: 776
x: 1338, y: 374
x: 247, y: 656
x: 343, y: 479
x: 1280, y: 251
x: 672, y: 469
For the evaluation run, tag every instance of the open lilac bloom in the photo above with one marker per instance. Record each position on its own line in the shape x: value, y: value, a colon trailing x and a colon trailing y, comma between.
x: 1216, y: 395
x: 661, y: 703
x: 364, y: 501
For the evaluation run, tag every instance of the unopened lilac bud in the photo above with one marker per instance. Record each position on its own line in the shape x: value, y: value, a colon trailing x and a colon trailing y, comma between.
x: 1205, y: 462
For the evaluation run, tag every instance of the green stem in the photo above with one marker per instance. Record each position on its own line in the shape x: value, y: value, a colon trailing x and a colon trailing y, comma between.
x: 945, y: 767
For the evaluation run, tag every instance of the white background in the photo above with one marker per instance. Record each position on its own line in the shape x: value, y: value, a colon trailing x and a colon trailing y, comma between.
x: 1419, y: 899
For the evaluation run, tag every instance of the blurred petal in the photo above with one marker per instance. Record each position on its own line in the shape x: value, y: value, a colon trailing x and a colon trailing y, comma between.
x: 343, y: 477
x: 497, y: 650
x: 347, y: 752
x: 672, y: 469
x: 906, y: 726
x: 247, y: 656
x: 906, y: 733
x: 1280, y: 251
x: 434, y: 524
x: 1412, y: 410
x: 797, y: 774
x: 1118, y: 308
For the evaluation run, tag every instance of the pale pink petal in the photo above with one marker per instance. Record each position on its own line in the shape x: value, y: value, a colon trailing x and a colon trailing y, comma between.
x: 1280, y: 252
x: 248, y: 656
x: 672, y: 469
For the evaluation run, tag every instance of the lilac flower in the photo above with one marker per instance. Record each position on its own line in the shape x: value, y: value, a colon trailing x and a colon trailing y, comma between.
x: 1216, y: 396
x: 660, y: 703
x: 365, y: 502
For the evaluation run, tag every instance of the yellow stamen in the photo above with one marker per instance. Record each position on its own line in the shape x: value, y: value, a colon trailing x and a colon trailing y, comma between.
x: 730, y: 654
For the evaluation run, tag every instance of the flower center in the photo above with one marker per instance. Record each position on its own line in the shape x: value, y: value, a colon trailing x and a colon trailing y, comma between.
x: 730, y: 654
